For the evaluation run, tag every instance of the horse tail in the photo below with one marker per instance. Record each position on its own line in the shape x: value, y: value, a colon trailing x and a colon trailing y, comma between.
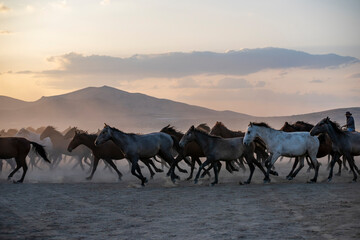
x: 40, y: 150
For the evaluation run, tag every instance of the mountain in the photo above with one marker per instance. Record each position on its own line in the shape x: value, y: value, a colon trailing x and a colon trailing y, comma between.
x: 91, y: 107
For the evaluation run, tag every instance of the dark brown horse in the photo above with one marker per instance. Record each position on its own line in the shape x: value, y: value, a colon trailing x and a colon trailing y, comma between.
x: 108, y: 151
x: 18, y: 148
x: 60, y: 144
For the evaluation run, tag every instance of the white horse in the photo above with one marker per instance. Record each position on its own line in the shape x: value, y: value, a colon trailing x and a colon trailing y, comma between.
x: 288, y: 144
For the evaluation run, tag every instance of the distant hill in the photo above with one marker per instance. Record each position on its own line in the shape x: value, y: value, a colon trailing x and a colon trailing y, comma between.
x: 91, y: 107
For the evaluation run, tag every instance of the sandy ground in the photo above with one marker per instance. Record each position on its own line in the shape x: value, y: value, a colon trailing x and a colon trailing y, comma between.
x: 60, y: 204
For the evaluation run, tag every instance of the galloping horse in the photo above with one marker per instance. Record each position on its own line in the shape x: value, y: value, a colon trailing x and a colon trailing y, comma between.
x: 60, y: 146
x: 216, y: 148
x: 344, y: 143
x: 108, y: 151
x: 18, y: 148
x: 219, y: 129
x: 137, y: 146
x: 279, y: 143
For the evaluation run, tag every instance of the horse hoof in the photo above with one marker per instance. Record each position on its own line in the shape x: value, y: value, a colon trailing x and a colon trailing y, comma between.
x: 267, y: 180
x: 240, y: 183
x: 338, y: 174
x: 275, y: 173
x: 195, y: 181
x: 289, y: 178
x: 88, y: 178
x: 354, y: 180
x: 16, y: 182
x: 213, y: 184
x: 311, y: 181
x: 329, y: 179
x: 247, y: 182
x: 189, y: 178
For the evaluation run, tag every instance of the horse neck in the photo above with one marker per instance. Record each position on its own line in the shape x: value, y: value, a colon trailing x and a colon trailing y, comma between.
x: 203, y: 140
x: 56, y: 137
x: 88, y: 141
x: 120, y: 138
x: 334, y: 136
x: 265, y: 134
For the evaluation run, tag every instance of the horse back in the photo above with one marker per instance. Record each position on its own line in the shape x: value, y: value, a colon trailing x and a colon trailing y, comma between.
x: 13, y: 147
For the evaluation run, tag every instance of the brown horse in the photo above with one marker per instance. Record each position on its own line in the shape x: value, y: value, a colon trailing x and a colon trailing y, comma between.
x: 108, y: 151
x: 18, y: 148
x: 60, y: 145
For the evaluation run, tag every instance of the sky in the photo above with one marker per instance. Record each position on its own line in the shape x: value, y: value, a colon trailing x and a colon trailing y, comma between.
x: 184, y: 51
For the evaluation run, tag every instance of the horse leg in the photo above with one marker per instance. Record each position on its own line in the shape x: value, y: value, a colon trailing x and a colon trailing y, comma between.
x: 332, y: 163
x: 310, y: 164
x: 151, y: 162
x: 273, y: 158
x: 181, y: 169
x: 289, y: 176
x: 316, y: 166
x: 135, y: 167
x: 339, y: 171
x: 112, y: 164
x: 146, y: 162
x: 252, y: 169
x: 344, y: 163
x: 96, y: 162
x: 18, y: 166
x: 192, y: 166
x: 216, y: 174
x: 298, y: 169
x: 208, y: 160
x: 350, y: 160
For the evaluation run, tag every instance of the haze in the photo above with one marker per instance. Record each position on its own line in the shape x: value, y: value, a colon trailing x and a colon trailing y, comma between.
x: 176, y: 50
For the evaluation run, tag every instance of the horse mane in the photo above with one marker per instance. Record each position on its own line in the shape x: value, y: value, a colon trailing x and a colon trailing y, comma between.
x: 204, y: 127
x: 199, y: 130
x: 261, y: 124
x: 304, y: 124
x: 132, y: 134
x: 170, y: 129
x: 335, y: 125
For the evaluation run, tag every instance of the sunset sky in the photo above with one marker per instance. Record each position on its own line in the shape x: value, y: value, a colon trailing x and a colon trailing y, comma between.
x: 53, y: 47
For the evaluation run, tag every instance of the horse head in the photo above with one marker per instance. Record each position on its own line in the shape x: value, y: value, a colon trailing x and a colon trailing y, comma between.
x: 188, y: 137
x: 104, y: 135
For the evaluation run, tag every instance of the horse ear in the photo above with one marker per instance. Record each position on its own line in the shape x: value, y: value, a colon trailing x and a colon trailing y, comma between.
x: 192, y: 127
x: 327, y: 119
x: 251, y: 124
x: 105, y: 125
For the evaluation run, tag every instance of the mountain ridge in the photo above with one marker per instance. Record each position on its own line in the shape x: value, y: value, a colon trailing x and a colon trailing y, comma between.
x: 90, y: 107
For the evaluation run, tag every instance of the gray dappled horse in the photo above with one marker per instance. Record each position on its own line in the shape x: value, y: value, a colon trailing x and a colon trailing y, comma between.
x: 216, y: 148
x: 137, y: 146
x: 343, y: 143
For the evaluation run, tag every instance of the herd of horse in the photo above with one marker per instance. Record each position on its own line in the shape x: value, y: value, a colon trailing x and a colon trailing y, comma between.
x: 259, y: 146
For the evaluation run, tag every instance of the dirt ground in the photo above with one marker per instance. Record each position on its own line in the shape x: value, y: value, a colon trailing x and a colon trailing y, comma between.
x: 60, y: 204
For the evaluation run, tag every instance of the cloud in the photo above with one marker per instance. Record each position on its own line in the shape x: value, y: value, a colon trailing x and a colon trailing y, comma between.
x: 4, y: 8
x: 236, y: 83
x: 5, y: 32
x: 355, y: 75
x: 105, y: 2
x: 180, y: 65
x: 316, y: 81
